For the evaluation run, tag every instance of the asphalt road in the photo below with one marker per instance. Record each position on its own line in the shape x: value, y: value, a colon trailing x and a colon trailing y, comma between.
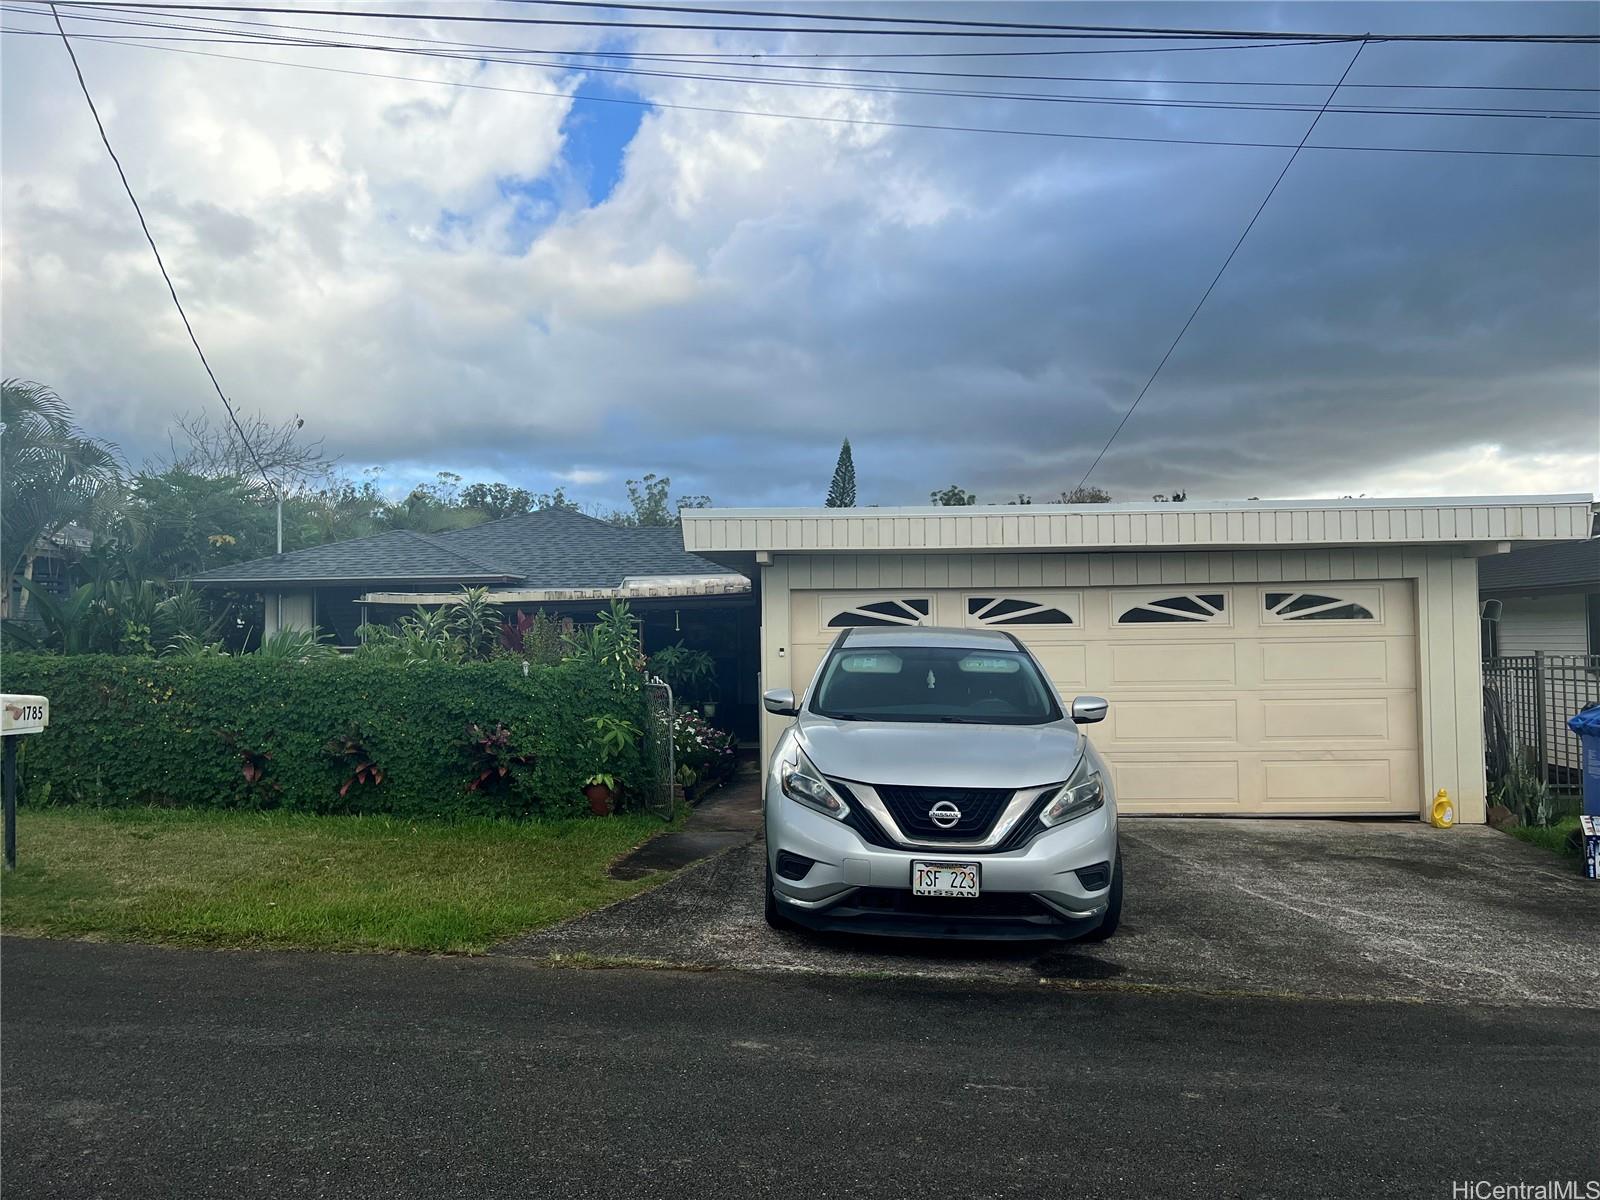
x: 133, y: 1072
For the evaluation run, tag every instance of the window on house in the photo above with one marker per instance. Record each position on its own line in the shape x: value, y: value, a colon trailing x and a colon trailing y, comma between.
x: 912, y: 611
x: 1010, y: 610
x: 1195, y: 607
x: 1314, y: 606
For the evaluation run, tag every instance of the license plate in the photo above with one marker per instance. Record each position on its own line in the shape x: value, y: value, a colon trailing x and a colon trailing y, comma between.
x: 944, y: 879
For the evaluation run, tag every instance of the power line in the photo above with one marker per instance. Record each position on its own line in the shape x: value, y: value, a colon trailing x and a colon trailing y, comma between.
x: 1260, y: 208
x: 1129, y: 30
x: 862, y: 121
x: 149, y: 237
x: 1088, y: 32
x: 1481, y: 112
x: 147, y: 10
x: 712, y: 59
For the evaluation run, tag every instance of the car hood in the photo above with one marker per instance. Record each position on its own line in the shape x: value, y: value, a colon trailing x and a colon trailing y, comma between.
x: 923, y: 754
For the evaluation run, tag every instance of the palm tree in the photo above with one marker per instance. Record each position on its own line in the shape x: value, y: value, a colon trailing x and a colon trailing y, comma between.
x: 52, y: 474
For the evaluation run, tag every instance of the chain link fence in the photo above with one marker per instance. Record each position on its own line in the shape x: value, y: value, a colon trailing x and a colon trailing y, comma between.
x: 1527, y: 699
x: 659, y: 749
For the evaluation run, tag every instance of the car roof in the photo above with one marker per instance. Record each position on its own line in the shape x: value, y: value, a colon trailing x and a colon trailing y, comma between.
x: 931, y: 635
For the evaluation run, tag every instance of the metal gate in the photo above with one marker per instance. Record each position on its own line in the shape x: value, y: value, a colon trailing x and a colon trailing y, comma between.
x: 660, y: 765
x: 1527, y: 700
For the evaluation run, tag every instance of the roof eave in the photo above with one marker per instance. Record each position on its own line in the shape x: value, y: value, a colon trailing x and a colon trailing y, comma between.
x: 344, y: 580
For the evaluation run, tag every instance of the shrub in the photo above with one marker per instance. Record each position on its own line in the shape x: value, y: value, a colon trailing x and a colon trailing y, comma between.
x: 709, y: 753
x: 254, y: 732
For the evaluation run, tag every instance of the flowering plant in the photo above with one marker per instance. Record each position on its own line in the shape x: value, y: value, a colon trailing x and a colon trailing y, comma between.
x: 698, y: 745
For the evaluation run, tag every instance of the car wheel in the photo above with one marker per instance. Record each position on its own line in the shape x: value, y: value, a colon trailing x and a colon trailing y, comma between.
x: 775, y: 918
x: 1113, y: 906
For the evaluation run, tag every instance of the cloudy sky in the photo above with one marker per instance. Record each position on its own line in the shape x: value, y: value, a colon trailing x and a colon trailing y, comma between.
x: 563, y: 275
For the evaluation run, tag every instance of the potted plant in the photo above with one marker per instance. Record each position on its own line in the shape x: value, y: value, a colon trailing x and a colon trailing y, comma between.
x: 610, y: 739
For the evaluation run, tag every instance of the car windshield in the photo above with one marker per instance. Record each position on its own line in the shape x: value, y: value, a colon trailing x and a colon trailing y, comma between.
x: 934, y: 683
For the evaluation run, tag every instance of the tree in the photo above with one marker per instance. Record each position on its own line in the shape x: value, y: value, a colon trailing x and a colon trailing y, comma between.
x: 842, y: 491
x: 1086, y: 494
x: 649, y: 504
x: 1175, y: 498
x: 216, y: 448
x: 952, y: 496
x: 555, y: 499
x: 178, y: 523
x: 497, y: 500
x: 52, y: 474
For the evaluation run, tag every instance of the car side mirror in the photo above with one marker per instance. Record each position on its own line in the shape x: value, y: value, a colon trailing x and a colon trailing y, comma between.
x: 780, y: 702
x: 1086, y: 710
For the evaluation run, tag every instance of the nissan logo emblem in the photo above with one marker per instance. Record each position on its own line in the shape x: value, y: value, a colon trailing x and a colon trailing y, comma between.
x: 944, y: 814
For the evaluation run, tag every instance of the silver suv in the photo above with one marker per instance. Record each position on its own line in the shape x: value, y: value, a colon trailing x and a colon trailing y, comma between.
x: 932, y: 785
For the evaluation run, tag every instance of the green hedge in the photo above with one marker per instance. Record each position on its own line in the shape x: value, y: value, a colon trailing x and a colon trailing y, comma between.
x: 178, y: 732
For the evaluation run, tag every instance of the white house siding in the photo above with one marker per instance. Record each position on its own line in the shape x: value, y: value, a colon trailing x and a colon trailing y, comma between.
x: 1439, y: 691
x: 1137, y: 527
x: 1553, y: 624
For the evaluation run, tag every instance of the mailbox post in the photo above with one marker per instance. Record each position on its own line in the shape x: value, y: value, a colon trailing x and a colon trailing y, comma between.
x: 19, y: 716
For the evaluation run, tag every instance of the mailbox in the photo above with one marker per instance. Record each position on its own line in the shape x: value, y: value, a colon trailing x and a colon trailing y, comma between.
x: 19, y: 715
x: 23, y: 714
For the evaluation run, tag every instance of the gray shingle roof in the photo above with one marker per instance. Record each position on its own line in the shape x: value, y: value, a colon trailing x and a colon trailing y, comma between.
x: 1571, y: 566
x: 399, y: 555
x: 552, y: 548
x: 557, y: 548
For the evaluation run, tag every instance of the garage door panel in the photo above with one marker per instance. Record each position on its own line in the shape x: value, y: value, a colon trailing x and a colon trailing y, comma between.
x: 1174, y: 663
x: 1313, y: 661
x: 1327, y: 779
x: 1145, y: 721
x: 1314, y: 719
x: 1067, y: 666
x: 1153, y: 784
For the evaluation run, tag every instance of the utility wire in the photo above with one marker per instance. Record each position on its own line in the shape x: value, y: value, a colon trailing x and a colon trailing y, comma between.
x: 161, y: 266
x: 1481, y: 112
x: 758, y: 63
x: 862, y: 121
x: 1122, y: 30
x: 1260, y: 208
x: 831, y: 55
x: 1159, y: 35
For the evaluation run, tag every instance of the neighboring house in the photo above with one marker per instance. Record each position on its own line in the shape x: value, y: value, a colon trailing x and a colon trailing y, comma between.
x: 556, y: 560
x: 1549, y: 600
x: 1302, y: 658
x: 49, y: 567
x: 1539, y: 649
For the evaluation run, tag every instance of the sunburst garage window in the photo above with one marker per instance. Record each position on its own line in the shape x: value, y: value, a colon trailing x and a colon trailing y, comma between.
x: 912, y: 611
x: 1010, y: 610
x: 1314, y: 606
x: 1193, y: 608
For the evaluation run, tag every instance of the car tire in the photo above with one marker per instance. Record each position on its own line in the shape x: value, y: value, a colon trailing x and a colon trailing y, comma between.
x: 1113, y: 906
x: 775, y: 918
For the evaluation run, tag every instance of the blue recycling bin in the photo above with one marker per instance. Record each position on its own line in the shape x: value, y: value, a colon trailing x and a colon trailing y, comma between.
x: 1586, y: 725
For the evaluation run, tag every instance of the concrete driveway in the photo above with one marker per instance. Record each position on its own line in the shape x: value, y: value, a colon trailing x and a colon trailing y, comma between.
x: 1389, y: 910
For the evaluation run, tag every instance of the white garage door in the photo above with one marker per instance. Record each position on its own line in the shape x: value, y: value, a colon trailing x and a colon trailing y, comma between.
x: 1296, y: 698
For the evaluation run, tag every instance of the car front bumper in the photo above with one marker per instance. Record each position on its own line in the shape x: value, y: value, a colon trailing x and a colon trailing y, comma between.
x: 855, y: 886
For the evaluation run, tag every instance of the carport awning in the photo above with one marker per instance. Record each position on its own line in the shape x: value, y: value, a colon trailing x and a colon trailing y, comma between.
x: 633, y: 588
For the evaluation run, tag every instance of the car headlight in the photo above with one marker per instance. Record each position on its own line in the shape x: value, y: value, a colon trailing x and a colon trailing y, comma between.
x: 1081, y: 794
x: 804, y: 784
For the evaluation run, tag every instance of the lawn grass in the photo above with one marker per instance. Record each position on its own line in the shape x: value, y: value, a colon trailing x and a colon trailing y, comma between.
x: 1557, y: 837
x: 230, y: 879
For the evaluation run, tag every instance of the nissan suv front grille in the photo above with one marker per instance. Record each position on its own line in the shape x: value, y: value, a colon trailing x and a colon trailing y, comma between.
x: 944, y: 814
